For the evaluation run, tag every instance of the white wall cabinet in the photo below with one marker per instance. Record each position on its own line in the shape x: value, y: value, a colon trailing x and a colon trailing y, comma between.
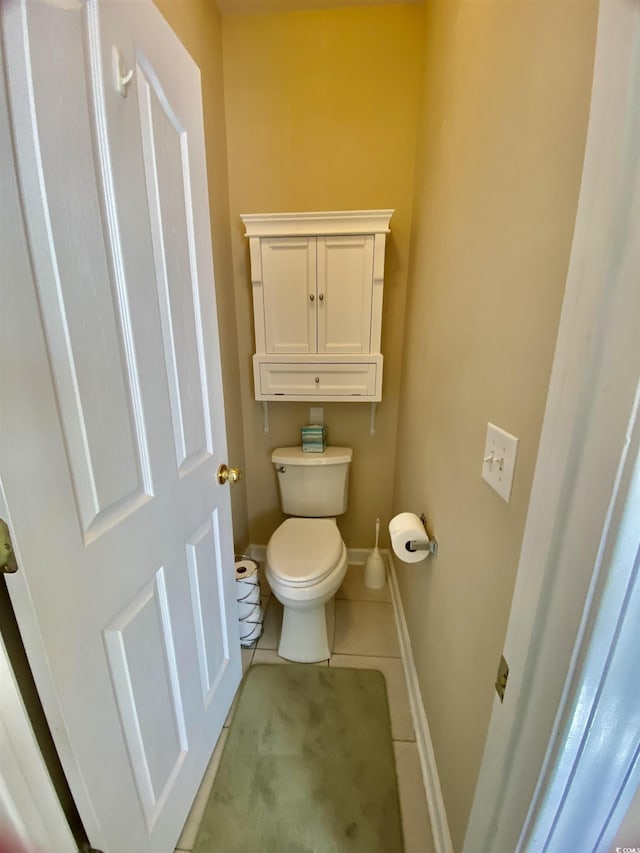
x: 317, y: 281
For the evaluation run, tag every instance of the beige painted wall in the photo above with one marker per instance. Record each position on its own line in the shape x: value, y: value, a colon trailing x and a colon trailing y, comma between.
x: 321, y: 113
x: 198, y: 25
x: 504, y: 114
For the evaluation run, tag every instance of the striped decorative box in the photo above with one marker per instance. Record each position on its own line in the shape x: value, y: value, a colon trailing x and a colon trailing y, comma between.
x: 314, y: 438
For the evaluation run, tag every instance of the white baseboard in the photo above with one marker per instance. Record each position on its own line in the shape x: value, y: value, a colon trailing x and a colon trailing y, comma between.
x: 357, y: 556
x: 435, y: 803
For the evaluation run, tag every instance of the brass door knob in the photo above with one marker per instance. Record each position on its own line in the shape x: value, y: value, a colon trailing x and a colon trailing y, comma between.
x: 230, y: 474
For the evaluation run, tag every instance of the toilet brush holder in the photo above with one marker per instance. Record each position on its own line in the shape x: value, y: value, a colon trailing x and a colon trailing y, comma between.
x: 375, y: 571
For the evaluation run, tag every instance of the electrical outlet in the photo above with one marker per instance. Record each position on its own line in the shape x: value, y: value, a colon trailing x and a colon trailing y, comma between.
x: 499, y: 460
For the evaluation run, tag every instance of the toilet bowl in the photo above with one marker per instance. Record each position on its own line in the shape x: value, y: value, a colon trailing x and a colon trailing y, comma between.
x: 306, y: 563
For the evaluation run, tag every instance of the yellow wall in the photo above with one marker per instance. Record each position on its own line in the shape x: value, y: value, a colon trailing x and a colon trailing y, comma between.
x: 198, y: 25
x: 504, y: 113
x: 321, y: 111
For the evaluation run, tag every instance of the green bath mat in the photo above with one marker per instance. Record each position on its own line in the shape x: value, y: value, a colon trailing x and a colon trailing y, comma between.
x: 308, y: 767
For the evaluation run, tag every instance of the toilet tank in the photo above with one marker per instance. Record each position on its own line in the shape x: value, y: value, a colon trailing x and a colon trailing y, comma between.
x: 313, y: 485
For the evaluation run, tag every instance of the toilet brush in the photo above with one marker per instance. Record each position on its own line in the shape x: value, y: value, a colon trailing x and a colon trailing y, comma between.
x: 375, y: 573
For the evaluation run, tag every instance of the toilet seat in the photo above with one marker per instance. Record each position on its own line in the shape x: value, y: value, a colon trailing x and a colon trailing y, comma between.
x: 304, y: 551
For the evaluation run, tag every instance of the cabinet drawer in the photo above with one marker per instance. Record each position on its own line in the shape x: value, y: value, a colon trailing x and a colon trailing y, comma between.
x: 327, y: 380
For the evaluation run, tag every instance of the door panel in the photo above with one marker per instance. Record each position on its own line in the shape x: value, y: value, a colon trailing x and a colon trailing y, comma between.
x: 168, y: 186
x: 113, y: 415
x: 95, y: 376
x: 149, y: 698
x: 204, y: 551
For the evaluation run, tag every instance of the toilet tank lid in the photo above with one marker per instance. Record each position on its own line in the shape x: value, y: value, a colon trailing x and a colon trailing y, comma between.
x: 296, y: 456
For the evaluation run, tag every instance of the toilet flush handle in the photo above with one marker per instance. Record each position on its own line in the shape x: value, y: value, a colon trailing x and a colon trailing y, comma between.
x: 282, y: 469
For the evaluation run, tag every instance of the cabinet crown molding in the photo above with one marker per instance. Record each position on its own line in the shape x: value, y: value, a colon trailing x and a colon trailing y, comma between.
x: 315, y: 223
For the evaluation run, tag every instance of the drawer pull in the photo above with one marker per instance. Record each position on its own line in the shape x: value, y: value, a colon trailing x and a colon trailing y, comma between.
x: 317, y: 379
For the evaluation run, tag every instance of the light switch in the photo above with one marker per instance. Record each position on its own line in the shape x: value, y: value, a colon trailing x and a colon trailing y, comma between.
x: 499, y: 460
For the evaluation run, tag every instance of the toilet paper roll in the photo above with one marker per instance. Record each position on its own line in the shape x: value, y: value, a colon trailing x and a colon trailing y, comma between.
x: 245, y: 568
x: 403, y: 528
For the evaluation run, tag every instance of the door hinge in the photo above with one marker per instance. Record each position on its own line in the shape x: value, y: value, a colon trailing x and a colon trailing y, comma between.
x: 501, y: 677
x: 8, y: 563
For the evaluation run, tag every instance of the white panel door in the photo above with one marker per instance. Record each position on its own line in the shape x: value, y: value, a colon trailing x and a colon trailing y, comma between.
x: 289, y: 288
x: 112, y: 414
x: 345, y: 276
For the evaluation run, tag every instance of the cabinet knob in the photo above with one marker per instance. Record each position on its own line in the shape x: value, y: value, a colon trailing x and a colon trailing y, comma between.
x: 317, y: 379
x: 321, y: 296
x: 311, y: 297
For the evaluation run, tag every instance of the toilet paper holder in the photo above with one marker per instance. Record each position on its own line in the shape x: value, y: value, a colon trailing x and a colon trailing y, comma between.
x: 431, y: 545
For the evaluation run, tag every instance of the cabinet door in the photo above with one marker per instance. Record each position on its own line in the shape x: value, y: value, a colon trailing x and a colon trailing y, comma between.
x: 345, y: 280
x: 289, y: 293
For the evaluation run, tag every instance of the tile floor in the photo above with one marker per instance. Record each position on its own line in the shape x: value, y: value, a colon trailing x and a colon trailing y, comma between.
x: 365, y: 637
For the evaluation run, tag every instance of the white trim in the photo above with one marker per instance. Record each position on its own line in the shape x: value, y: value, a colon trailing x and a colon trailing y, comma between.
x: 357, y: 556
x: 559, y: 587
x: 574, y: 806
x: 435, y: 802
x: 29, y: 804
x: 314, y: 223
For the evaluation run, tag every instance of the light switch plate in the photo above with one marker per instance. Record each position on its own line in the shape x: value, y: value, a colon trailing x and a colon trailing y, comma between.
x: 499, y: 460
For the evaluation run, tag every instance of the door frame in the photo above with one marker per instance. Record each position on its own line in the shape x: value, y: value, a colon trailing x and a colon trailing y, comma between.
x: 576, y: 522
x: 25, y: 783
x: 35, y: 811
x: 26, y: 790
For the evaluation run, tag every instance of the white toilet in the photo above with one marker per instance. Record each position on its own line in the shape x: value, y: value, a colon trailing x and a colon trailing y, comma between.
x: 306, y: 557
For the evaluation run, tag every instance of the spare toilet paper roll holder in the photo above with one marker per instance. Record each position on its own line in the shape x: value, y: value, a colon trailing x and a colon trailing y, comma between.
x: 431, y: 545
